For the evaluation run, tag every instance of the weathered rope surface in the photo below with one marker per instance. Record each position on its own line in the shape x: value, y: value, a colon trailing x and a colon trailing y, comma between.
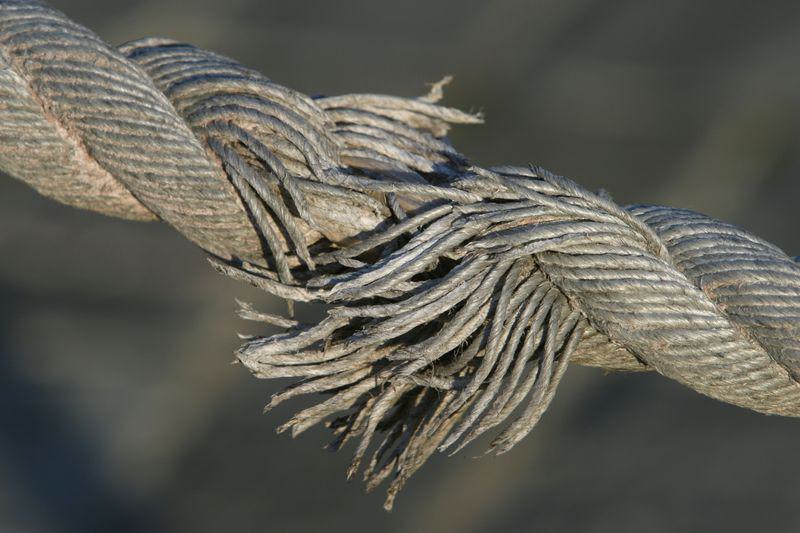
x: 456, y: 295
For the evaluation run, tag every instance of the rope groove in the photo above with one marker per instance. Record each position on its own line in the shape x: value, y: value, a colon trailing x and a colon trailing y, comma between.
x: 456, y: 295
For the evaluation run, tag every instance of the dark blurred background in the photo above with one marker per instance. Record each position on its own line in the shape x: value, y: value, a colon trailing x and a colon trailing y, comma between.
x: 120, y: 410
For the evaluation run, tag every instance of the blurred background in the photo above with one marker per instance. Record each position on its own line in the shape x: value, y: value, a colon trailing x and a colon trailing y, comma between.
x: 120, y: 409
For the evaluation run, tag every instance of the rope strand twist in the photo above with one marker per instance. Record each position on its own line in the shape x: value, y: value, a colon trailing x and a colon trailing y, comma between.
x: 456, y: 295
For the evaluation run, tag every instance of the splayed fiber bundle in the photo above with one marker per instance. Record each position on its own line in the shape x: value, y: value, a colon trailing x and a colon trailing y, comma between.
x: 456, y: 295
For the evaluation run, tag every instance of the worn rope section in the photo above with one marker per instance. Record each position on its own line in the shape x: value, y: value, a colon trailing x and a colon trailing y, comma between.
x: 456, y: 295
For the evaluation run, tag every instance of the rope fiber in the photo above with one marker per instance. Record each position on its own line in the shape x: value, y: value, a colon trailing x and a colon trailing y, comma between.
x: 456, y: 295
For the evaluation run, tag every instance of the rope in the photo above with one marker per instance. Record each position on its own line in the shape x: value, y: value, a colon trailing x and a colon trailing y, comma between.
x: 456, y: 295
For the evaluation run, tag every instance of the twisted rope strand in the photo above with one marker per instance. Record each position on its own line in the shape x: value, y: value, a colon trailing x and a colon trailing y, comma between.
x: 456, y: 295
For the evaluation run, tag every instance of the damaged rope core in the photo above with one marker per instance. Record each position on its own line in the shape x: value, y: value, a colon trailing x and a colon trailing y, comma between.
x: 456, y: 295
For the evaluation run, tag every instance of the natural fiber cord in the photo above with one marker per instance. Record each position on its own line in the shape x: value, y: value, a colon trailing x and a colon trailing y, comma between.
x: 456, y: 295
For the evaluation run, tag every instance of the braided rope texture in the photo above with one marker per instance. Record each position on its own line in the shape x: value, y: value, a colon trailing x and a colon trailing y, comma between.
x: 456, y: 295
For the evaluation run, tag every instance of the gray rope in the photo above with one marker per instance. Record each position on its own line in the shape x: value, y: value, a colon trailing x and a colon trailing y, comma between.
x: 456, y: 295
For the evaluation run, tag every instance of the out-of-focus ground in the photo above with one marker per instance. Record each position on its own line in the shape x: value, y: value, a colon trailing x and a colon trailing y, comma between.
x: 120, y: 410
